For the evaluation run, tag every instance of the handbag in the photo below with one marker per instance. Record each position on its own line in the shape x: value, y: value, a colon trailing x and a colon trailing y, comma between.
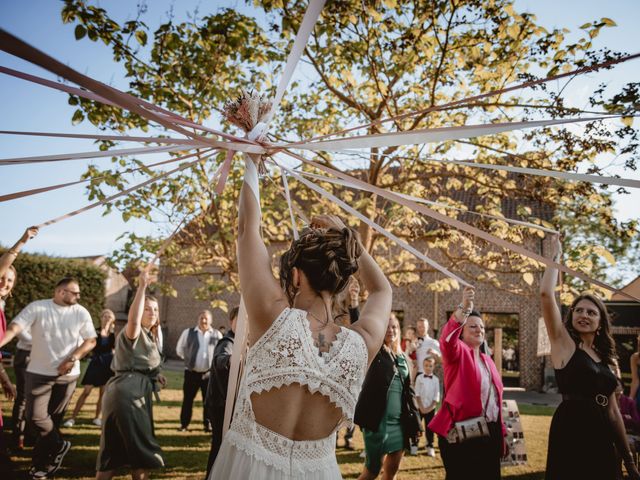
x: 475, y: 427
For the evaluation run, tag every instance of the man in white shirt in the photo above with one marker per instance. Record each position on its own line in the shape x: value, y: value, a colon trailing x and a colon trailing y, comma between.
x: 195, y: 346
x: 62, y: 332
x: 428, y: 396
x: 427, y: 346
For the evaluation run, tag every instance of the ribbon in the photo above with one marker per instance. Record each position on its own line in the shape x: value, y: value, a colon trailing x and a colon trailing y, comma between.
x: 35, y: 191
x: 429, y: 135
x: 237, y: 363
x: 570, y: 176
x: 343, y: 183
x: 459, y: 225
x: 573, y: 177
x: 224, y: 172
x: 82, y: 155
x: 377, y: 227
x: 302, y: 37
x: 463, y: 101
x: 117, y: 195
x: 285, y: 183
x: 123, y: 138
x: 91, y: 96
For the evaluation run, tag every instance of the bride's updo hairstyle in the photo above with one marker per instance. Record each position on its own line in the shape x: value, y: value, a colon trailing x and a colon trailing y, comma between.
x: 327, y: 256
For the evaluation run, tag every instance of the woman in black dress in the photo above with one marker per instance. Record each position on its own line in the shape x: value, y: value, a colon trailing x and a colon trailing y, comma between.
x: 587, y: 427
x: 99, y: 370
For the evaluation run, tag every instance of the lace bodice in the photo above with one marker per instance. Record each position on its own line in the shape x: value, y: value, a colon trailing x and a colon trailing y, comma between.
x: 286, y: 354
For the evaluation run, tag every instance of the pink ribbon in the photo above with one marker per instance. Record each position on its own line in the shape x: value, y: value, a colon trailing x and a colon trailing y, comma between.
x: 35, y: 191
x: 458, y: 224
x: 224, y: 172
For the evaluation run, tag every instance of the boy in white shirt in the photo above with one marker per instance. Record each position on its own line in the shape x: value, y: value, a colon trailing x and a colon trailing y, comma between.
x: 428, y: 396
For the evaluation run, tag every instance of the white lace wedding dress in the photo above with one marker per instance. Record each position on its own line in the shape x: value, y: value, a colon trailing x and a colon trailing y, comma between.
x: 286, y: 354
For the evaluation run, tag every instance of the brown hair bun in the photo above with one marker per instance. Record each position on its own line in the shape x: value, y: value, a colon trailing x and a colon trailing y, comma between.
x: 327, y: 256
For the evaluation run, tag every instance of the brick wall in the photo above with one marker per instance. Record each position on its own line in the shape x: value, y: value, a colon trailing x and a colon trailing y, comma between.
x: 178, y: 313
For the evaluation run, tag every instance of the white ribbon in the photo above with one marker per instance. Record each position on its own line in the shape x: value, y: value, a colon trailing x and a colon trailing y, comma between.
x: 335, y: 181
x: 285, y: 183
x: 429, y: 135
x: 377, y: 227
x: 302, y: 37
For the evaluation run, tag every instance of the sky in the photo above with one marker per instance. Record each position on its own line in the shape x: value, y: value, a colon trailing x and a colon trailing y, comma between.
x: 30, y: 107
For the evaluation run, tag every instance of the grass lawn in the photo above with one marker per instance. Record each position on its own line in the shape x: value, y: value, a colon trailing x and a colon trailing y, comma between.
x: 186, y: 453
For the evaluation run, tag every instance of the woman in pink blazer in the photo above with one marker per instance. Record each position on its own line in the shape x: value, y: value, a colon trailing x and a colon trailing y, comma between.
x: 473, y: 388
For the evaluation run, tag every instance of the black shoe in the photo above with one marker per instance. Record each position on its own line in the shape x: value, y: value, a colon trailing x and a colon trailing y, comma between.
x: 56, y: 461
x: 37, y: 473
x: 183, y: 429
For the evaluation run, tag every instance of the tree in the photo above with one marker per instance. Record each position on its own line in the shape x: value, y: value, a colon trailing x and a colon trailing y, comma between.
x: 362, y: 65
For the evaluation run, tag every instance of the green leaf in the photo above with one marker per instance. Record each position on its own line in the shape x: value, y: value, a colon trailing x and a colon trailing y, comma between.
x: 80, y: 32
x: 141, y: 36
x: 78, y: 117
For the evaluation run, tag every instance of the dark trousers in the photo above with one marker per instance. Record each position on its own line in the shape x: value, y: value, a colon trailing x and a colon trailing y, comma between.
x: 47, y: 400
x: 216, y: 436
x: 427, y: 417
x: 20, y: 362
x: 193, y: 381
x: 477, y: 458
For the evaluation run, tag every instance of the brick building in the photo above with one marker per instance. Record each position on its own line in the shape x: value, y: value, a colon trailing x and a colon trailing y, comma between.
x: 517, y: 315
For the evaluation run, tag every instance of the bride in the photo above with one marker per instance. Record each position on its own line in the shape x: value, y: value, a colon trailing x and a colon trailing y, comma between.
x: 303, y: 372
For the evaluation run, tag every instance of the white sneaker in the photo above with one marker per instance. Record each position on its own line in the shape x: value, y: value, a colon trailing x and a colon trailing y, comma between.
x: 431, y: 452
x: 69, y: 423
x: 413, y: 450
x: 97, y: 422
x: 363, y: 454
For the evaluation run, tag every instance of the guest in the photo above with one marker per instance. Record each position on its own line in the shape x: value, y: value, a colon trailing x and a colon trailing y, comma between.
x: 634, y: 391
x: 628, y: 410
x: 22, y: 434
x: 410, y: 342
x: 473, y: 390
x: 587, y: 426
x: 427, y: 346
x: 428, y: 396
x: 195, y: 346
x: 216, y: 397
x: 380, y: 405
x: 8, y: 276
x: 128, y: 437
x: 62, y: 333
x: 99, y: 370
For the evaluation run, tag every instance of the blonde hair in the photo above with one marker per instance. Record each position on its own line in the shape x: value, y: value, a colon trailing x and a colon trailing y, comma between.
x: 396, y: 345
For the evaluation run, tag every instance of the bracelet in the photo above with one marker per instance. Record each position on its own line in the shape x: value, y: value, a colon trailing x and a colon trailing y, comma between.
x: 72, y: 358
x: 466, y: 312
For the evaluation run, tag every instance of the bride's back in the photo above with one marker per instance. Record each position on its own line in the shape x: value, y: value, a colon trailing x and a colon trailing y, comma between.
x: 295, y: 389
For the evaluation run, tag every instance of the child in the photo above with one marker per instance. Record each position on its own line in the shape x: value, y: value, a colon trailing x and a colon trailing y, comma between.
x: 428, y: 396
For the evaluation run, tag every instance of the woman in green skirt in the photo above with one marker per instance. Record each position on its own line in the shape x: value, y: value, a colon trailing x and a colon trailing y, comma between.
x: 379, y: 407
x: 128, y: 438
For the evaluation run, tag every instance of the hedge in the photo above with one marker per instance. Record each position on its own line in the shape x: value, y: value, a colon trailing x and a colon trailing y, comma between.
x: 38, y: 275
